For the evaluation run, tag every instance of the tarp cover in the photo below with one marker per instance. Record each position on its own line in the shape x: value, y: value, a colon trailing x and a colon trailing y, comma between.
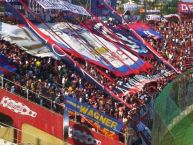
x: 25, y: 39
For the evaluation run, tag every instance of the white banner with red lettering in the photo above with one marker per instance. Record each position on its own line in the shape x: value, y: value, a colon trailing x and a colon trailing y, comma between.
x: 17, y: 107
x: 185, y: 7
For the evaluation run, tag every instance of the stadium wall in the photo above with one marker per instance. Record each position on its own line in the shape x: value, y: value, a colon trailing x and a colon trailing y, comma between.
x: 24, y: 112
x: 42, y: 127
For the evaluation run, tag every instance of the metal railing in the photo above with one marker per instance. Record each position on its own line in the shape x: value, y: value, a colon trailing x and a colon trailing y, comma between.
x: 6, y: 135
x: 41, y: 100
x: 30, y: 95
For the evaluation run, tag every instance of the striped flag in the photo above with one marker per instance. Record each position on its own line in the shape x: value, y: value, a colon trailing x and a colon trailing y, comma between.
x: 5, y: 65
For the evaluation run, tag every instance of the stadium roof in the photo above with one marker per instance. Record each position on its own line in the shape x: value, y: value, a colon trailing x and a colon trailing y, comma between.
x: 187, y: 1
x: 62, y: 5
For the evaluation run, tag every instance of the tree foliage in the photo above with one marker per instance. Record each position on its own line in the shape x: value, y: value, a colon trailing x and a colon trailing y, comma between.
x: 170, y: 7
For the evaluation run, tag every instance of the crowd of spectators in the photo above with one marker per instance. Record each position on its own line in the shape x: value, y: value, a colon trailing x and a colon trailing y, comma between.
x: 176, y: 44
x: 54, y: 79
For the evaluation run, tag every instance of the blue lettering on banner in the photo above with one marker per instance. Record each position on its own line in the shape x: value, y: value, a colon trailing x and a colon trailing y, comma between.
x: 93, y: 114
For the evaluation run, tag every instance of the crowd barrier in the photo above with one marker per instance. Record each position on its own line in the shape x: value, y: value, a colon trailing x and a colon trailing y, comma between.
x: 9, y: 135
x: 32, y: 120
x: 26, y: 114
x: 5, y: 142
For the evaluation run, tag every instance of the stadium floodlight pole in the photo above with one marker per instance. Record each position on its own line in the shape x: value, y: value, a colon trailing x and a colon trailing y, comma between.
x: 2, y: 81
x: 126, y: 135
x: 27, y: 93
x: 161, y: 10
x: 90, y: 4
x: 66, y: 125
x: 145, y: 5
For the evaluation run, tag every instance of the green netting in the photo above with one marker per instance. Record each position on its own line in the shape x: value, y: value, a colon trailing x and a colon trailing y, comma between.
x: 173, y: 120
x: 2, y: 9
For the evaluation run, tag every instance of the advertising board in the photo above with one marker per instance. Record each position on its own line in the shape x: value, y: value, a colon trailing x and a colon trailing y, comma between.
x: 23, y: 111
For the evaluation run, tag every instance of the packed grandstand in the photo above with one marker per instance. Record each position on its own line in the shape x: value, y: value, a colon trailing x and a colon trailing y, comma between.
x: 97, y: 76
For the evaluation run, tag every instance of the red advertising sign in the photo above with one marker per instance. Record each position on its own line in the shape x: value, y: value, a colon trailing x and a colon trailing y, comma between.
x: 23, y: 111
x: 185, y: 7
x: 79, y: 135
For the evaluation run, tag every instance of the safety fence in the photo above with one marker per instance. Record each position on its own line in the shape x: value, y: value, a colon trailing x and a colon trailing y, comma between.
x: 173, y: 123
x: 10, y: 134
x: 24, y: 92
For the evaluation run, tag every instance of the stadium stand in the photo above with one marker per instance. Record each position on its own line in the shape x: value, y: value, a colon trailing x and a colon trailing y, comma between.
x: 32, y: 73
x: 48, y: 81
x: 177, y: 42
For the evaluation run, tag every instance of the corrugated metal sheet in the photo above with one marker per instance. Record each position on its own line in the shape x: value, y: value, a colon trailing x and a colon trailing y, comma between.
x: 98, y: 9
x: 187, y: 1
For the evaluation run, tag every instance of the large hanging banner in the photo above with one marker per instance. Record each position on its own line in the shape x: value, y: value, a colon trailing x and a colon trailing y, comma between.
x: 62, y: 5
x: 66, y: 124
x: 93, y: 114
x: 84, y: 44
x: 145, y: 30
x: 122, y: 37
x: 137, y: 83
x: 185, y: 7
